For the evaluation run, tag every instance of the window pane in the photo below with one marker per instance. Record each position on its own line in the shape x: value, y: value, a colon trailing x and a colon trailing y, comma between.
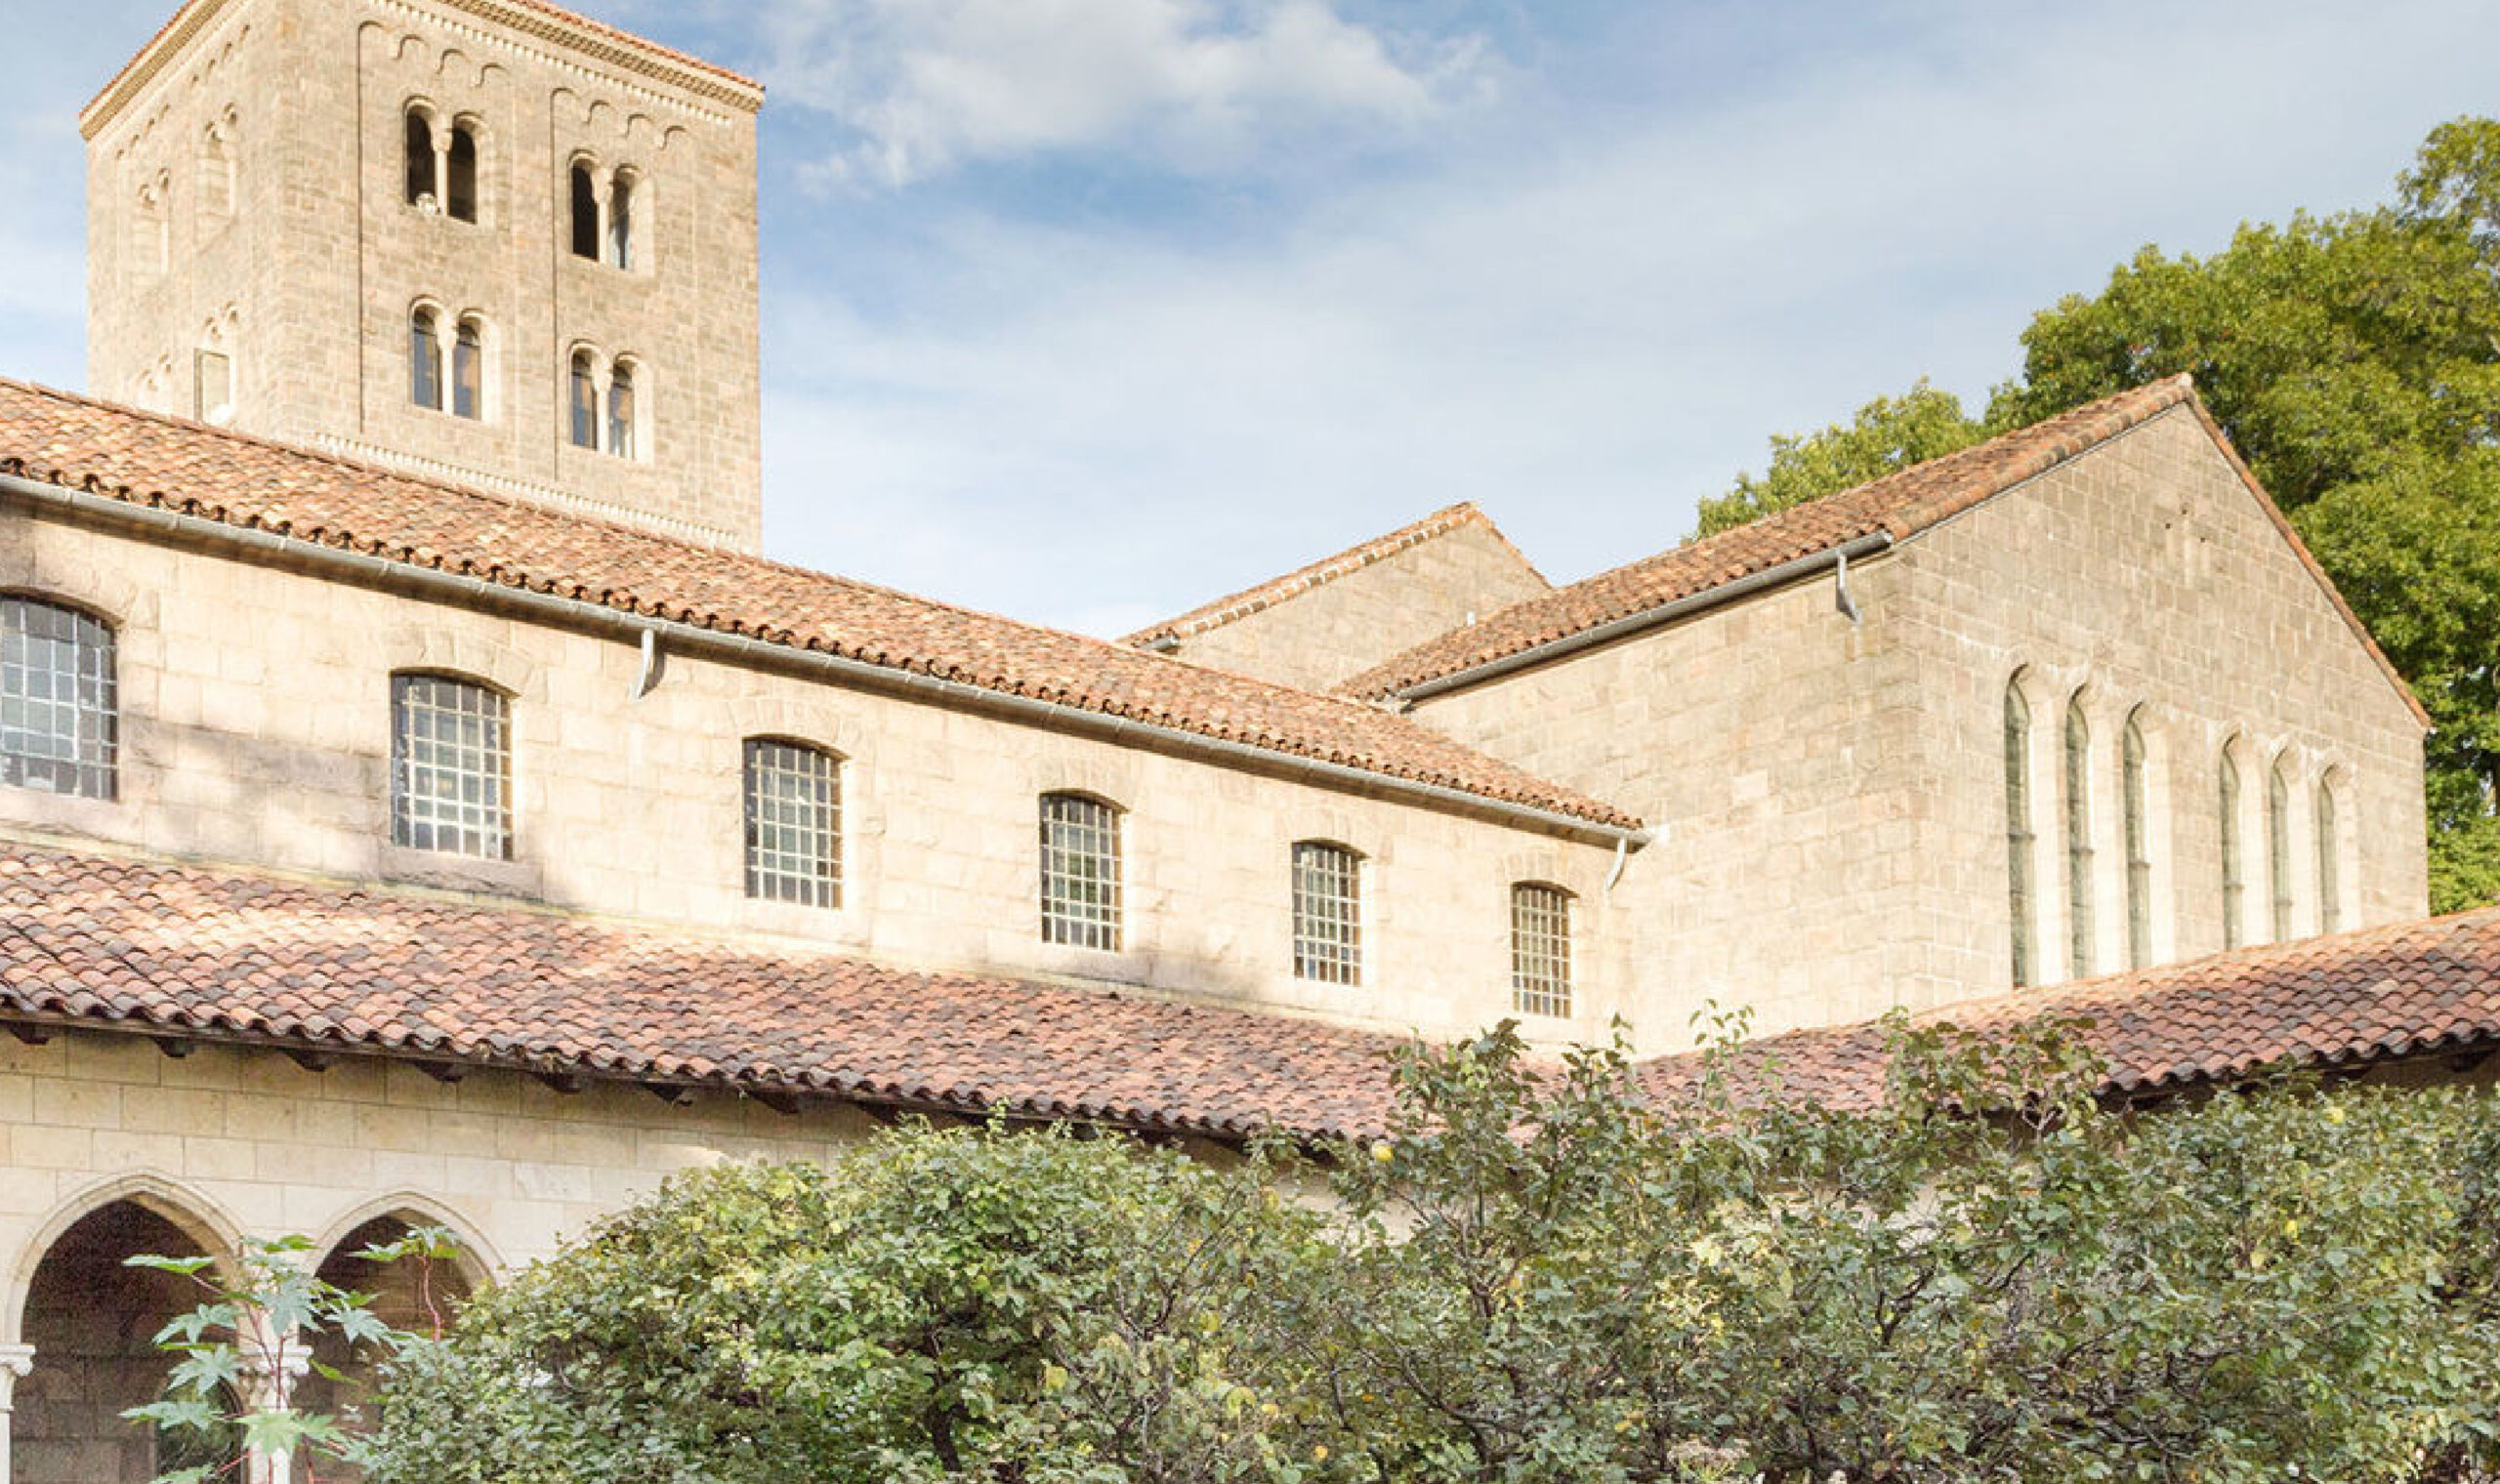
x: 425, y: 362
x: 2330, y: 865
x: 2234, y: 879
x: 2078, y: 840
x: 1327, y: 914
x: 793, y: 825
x: 2139, y: 851
x: 1080, y: 872
x: 2278, y: 851
x: 620, y: 413
x: 59, y: 712
x: 450, y: 768
x: 2017, y: 829
x: 1540, y: 950
x: 585, y: 408
x: 468, y: 373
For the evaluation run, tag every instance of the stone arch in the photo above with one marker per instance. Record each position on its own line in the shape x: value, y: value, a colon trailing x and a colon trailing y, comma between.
x: 203, y: 1220
x: 477, y: 1262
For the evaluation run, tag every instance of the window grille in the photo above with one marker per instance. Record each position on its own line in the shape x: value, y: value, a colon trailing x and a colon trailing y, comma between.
x: 2278, y: 851
x: 1540, y: 949
x: 1327, y: 914
x: 450, y: 768
x: 2078, y: 840
x: 2138, y: 848
x: 2235, y: 874
x: 60, y: 715
x: 1080, y: 872
x: 2330, y: 864
x: 2019, y: 837
x: 793, y: 825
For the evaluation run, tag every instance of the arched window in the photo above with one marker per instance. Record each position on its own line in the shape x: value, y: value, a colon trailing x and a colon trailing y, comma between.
x: 217, y: 172
x: 2278, y: 849
x: 1540, y: 949
x: 2234, y: 870
x: 152, y: 230
x: 2330, y: 865
x: 585, y: 211
x: 2138, y: 831
x: 59, y: 714
x: 425, y: 358
x: 450, y: 766
x: 2078, y: 839
x: 583, y: 398
x: 622, y: 411
x: 1080, y: 871
x: 1328, y: 913
x: 469, y: 370
x: 2019, y: 837
x: 622, y: 190
x: 422, y: 187
x: 793, y: 824
x: 460, y: 191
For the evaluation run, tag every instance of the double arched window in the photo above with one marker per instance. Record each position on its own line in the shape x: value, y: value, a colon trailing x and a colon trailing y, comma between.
x: 605, y: 405
x: 60, y: 711
x: 609, y: 211
x: 441, y: 164
x: 1328, y: 913
x: 433, y: 336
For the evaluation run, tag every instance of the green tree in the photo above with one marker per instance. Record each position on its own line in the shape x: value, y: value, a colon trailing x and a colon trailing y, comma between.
x: 1888, y: 433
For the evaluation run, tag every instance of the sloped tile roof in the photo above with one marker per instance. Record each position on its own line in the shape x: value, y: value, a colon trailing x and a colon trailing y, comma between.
x: 231, y: 954
x: 2380, y: 994
x: 1900, y: 505
x: 1325, y: 570
x: 145, y: 460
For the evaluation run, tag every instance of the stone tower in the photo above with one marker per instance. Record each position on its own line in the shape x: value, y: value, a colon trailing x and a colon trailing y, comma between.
x: 485, y: 241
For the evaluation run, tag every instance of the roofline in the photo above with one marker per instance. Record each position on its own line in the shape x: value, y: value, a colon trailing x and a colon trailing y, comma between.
x: 540, y: 20
x: 1795, y: 571
x: 749, y: 649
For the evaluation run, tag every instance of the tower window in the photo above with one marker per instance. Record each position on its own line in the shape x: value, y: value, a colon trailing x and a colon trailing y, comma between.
x: 422, y: 187
x: 584, y: 400
x: 585, y: 209
x: 212, y: 387
x: 793, y: 824
x: 1328, y: 913
x: 2019, y: 837
x: 217, y: 172
x: 1080, y: 872
x: 450, y: 768
x: 620, y: 220
x: 425, y: 358
x: 60, y: 716
x: 460, y: 191
x: 621, y: 411
x: 468, y: 371
x: 1540, y: 949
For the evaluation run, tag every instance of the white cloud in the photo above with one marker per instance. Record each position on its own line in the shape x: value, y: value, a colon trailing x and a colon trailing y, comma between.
x: 924, y: 84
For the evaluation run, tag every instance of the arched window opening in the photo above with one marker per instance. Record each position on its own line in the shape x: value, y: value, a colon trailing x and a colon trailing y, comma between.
x: 2330, y: 864
x: 2138, y: 831
x: 623, y: 428
x: 2078, y: 840
x: 1328, y: 913
x: 584, y: 400
x: 2018, y: 836
x: 217, y: 172
x: 152, y: 234
x: 450, y: 768
x: 468, y: 371
x: 1540, y: 949
x: 2234, y: 870
x: 622, y: 191
x: 793, y: 824
x: 460, y: 191
x: 1080, y: 871
x: 2278, y: 851
x: 425, y: 358
x: 585, y: 212
x: 59, y: 709
x: 419, y: 1295
x: 423, y: 190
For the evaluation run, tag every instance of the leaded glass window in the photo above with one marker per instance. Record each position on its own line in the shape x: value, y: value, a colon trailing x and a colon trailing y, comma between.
x: 1540, y: 949
x: 450, y: 768
x: 1080, y: 871
x: 793, y: 824
x: 1328, y: 913
x: 2078, y: 840
x: 2018, y: 836
x: 2330, y: 864
x: 59, y: 717
x: 2139, y: 846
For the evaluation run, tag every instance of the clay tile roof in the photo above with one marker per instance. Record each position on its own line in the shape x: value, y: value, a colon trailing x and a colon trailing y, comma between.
x: 145, y: 460
x: 2412, y: 989
x: 1321, y: 573
x: 234, y: 955
x: 1899, y: 505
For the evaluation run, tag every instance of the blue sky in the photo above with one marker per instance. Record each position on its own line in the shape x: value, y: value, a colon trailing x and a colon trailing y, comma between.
x: 1087, y: 311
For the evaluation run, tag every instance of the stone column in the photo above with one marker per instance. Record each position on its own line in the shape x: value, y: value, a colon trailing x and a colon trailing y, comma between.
x: 272, y: 1366
x: 16, y: 1360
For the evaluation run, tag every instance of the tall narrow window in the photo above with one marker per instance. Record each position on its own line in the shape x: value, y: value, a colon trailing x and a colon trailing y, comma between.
x: 421, y: 185
x: 793, y: 824
x: 468, y: 371
x: 1080, y: 871
x: 2017, y: 828
x: 212, y: 387
x: 621, y: 193
x: 217, y: 172
x: 2139, y: 846
x: 2234, y: 871
x: 2330, y: 864
x: 460, y: 192
x: 1328, y: 913
x: 450, y: 768
x: 425, y: 359
x: 585, y: 207
x: 151, y: 229
x: 60, y: 716
x: 1540, y: 949
x: 621, y: 411
x: 2078, y: 840
x: 584, y: 399
x: 2278, y: 851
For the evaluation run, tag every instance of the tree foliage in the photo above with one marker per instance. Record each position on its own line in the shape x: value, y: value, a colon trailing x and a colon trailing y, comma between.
x: 1539, y: 1276
x: 1888, y: 433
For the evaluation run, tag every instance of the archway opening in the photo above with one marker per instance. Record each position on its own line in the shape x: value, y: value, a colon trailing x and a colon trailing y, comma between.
x: 413, y: 1294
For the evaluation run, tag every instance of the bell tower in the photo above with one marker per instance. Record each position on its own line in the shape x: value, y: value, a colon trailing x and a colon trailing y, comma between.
x: 487, y: 241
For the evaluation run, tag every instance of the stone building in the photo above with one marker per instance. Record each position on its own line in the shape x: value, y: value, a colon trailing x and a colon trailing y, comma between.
x: 420, y: 802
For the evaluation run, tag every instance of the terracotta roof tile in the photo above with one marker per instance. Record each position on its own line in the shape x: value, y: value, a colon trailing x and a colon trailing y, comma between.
x: 1900, y: 506
x: 2411, y: 989
x: 234, y: 954
x: 143, y: 459
x: 1325, y: 570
